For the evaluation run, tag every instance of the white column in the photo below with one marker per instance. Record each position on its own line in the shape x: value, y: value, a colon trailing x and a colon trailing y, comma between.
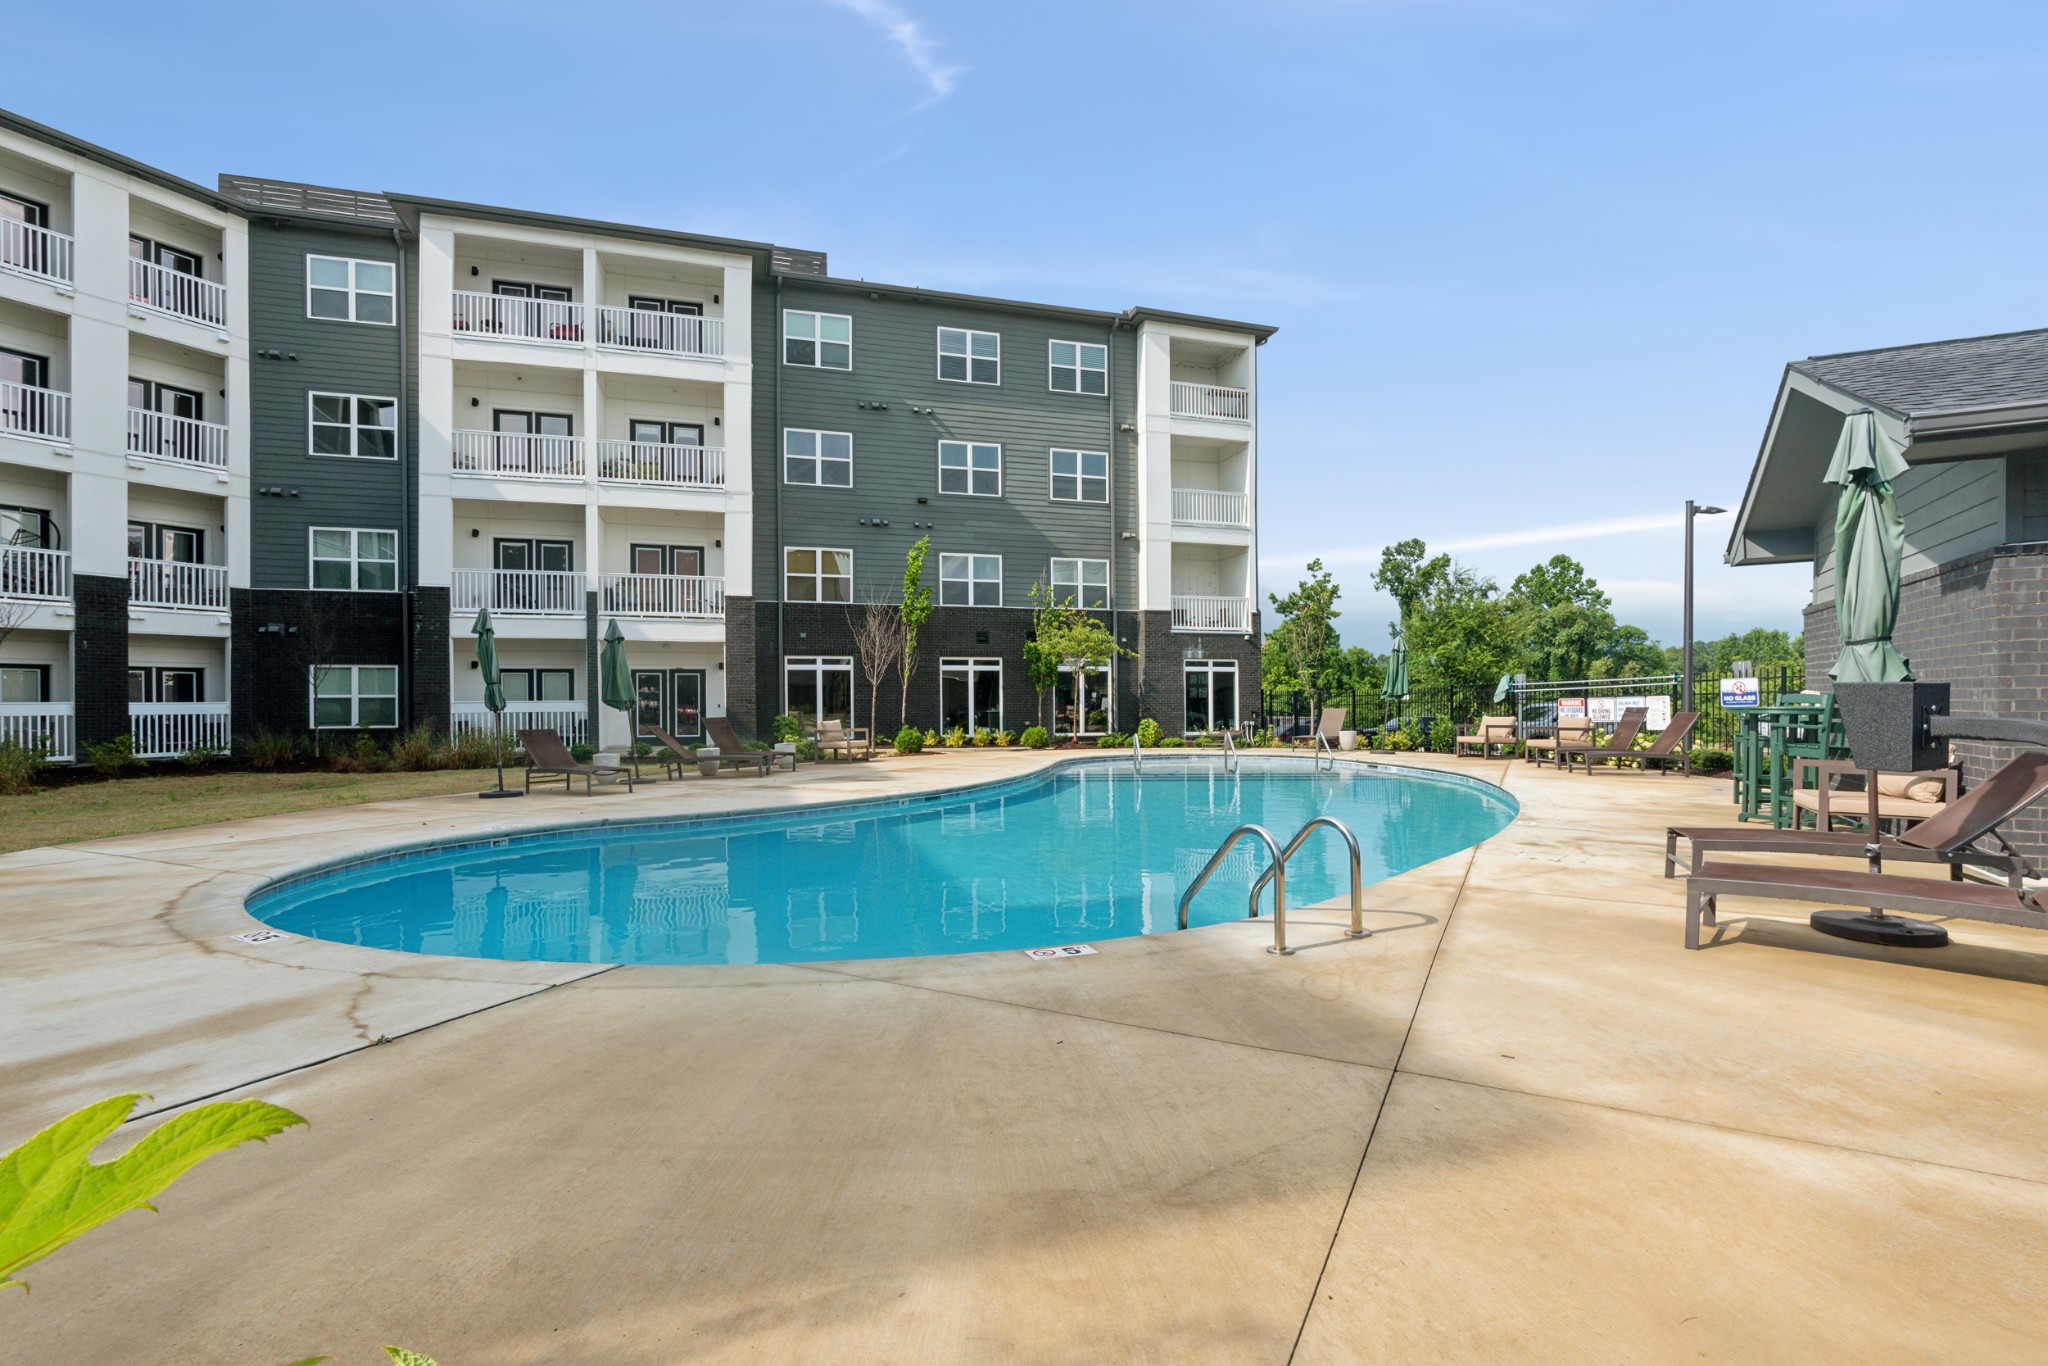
x: 1155, y: 469
x: 435, y: 453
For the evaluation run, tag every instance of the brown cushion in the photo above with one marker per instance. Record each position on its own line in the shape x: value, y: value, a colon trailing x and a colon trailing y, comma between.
x: 1914, y: 787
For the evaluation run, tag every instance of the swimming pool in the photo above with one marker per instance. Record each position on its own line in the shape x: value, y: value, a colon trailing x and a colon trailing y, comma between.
x: 1082, y: 851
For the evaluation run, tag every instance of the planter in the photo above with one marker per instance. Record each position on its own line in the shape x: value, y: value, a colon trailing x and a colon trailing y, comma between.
x: 1347, y: 740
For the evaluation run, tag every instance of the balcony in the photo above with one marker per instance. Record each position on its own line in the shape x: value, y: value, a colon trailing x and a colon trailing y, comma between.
x: 176, y: 585
x: 1212, y: 614
x: 181, y: 440
x: 568, y: 719
x: 39, y: 414
x: 518, y: 592
x: 38, y: 725
x: 516, y: 455
x: 667, y: 334
x: 31, y: 574
x: 663, y: 595
x: 1210, y: 507
x: 505, y: 318
x: 181, y: 296
x: 645, y: 462
x: 35, y: 252
x: 1216, y: 402
x: 166, y: 730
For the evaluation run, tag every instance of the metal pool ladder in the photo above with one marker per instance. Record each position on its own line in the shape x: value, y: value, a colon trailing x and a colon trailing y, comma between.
x: 1229, y: 752
x: 1277, y: 875
x: 1324, y: 751
x: 1137, y: 753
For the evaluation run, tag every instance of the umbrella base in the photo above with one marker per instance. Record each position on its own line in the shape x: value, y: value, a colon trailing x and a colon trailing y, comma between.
x: 1875, y: 927
x: 502, y: 792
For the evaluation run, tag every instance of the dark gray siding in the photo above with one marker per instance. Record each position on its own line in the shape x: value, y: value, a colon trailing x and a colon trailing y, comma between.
x: 895, y: 450
x: 325, y: 356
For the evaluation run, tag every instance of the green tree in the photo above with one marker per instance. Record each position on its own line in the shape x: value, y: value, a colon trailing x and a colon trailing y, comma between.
x: 1041, y: 658
x: 1308, y: 635
x: 1408, y: 574
x: 1068, y: 637
x: 915, y: 610
x: 1461, y: 634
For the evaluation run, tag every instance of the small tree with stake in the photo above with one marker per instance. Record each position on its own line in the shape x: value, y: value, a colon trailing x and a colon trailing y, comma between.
x: 915, y: 611
x: 1069, y: 639
x: 878, y: 638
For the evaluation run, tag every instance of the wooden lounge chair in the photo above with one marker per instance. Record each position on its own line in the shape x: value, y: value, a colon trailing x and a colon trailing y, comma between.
x: 1906, y: 798
x: 848, y: 742
x: 1950, y: 838
x: 1622, y: 740
x: 1544, y: 749
x: 1843, y: 887
x: 1491, y: 732
x: 726, y: 751
x: 1667, y: 748
x: 1327, y: 726
x: 548, y: 758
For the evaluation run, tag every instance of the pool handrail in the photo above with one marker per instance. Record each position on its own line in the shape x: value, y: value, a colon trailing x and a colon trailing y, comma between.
x: 1137, y: 753
x: 1358, y: 929
x: 1265, y: 837
x: 1323, y: 745
x: 1229, y: 751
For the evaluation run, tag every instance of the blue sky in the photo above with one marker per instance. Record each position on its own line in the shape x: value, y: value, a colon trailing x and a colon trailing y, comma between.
x: 1536, y: 265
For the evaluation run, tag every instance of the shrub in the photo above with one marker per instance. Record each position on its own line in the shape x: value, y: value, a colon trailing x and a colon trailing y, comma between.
x: 1149, y: 733
x: 1443, y: 736
x: 956, y: 737
x: 112, y: 757
x: 1263, y: 739
x: 417, y: 750
x: 1006, y: 738
x: 808, y: 751
x: 478, y: 749
x: 363, y: 755
x: 788, y: 728
x: 1034, y: 737
x: 267, y: 749
x: 199, y: 756
x: 910, y: 740
x: 931, y: 739
x: 19, y: 765
x: 1112, y: 740
x: 1173, y: 742
x: 1401, y: 741
x: 583, y: 754
x: 1713, y: 760
x: 984, y: 737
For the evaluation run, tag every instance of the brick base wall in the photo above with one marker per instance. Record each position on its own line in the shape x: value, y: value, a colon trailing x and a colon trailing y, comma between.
x: 277, y: 634
x: 742, y: 695
x: 427, y: 682
x: 1977, y: 624
x: 100, y: 658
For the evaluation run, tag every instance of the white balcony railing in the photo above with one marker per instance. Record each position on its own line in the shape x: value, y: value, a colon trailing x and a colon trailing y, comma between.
x: 568, y: 719
x: 170, y: 583
x: 507, y: 318
x: 1211, y: 507
x: 663, y: 595
x: 165, y: 730
x: 1212, y: 614
x: 180, y: 295
x: 673, y: 334
x: 518, y: 592
x: 1216, y: 401
x: 648, y: 462
x: 515, y: 455
x: 25, y: 410
x: 160, y: 436
x: 29, y: 250
x: 35, y: 574
x: 38, y: 725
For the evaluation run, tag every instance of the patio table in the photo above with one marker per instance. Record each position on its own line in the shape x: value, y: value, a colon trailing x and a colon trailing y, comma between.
x: 1769, y: 745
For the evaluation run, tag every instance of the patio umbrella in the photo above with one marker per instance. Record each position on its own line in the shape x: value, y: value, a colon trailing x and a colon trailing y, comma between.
x: 1870, y: 540
x: 615, y: 679
x: 1396, y: 686
x: 494, y: 693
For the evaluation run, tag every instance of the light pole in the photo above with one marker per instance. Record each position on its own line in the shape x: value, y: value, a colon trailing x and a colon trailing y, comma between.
x: 1692, y: 510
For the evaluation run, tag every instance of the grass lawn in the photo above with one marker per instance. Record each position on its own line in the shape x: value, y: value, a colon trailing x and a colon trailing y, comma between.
x: 62, y: 815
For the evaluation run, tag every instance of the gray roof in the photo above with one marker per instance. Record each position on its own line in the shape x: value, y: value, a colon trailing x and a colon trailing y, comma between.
x: 1971, y: 372
x: 297, y: 197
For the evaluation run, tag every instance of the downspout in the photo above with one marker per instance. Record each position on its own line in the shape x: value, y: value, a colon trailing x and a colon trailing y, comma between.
x: 775, y: 437
x: 1115, y: 537
x: 410, y: 481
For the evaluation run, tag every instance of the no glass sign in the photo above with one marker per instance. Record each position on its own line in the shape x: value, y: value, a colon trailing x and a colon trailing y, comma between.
x: 1063, y: 951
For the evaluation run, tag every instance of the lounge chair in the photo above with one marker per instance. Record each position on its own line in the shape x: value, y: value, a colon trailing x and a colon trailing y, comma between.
x: 727, y: 751
x: 1667, y: 748
x: 1491, y: 732
x: 1843, y: 887
x: 836, y: 737
x: 549, y: 758
x: 1544, y: 749
x: 678, y: 756
x: 1620, y: 742
x: 1901, y: 797
x: 1949, y: 838
x: 1328, y: 726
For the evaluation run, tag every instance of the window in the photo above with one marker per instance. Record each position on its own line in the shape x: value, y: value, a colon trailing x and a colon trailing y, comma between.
x: 351, y: 291
x: 1080, y: 477
x: 1085, y: 583
x: 350, y: 558
x: 810, y: 574
x: 818, y: 688
x: 971, y: 580
x: 970, y: 694
x: 1094, y: 702
x: 970, y: 357
x: 25, y: 683
x: 823, y: 341
x: 158, y: 683
x: 539, y: 685
x: 1077, y: 367
x: 971, y: 467
x: 346, y: 696
x: 817, y: 458
x: 353, y: 425
x: 160, y: 541
x: 1211, y: 695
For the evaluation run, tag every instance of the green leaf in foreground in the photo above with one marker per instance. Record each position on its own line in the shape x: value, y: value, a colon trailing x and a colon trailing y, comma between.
x: 51, y: 1191
x: 405, y: 1358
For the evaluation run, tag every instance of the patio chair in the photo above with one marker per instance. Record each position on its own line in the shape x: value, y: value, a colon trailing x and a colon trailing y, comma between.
x: 1544, y: 749
x: 726, y: 751
x: 1620, y: 742
x: 1842, y: 887
x: 1327, y: 726
x: 1667, y: 748
x: 1904, y: 798
x: 1491, y: 732
x: 1949, y: 838
x: 678, y: 756
x: 548, y: 758
x: 848, y: 742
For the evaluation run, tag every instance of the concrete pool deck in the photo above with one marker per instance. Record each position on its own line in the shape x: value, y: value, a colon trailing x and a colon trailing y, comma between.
x: 1521, y: 1122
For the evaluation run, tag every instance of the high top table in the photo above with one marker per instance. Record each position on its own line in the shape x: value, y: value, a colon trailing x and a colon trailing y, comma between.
x: 1770, y: 744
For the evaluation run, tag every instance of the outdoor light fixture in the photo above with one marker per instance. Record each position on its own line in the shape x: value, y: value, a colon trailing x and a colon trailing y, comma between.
x: 1692, y: 510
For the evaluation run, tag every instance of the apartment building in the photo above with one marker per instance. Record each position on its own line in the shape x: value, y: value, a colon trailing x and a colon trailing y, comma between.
x: 413, y: 410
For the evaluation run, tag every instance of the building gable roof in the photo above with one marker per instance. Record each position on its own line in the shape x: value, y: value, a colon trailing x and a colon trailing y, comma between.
x: 1966, y: 373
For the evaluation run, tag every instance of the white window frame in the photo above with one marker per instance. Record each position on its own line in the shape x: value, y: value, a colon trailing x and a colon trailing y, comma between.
x: 972, y: 578
x: 1079, y: 583
x: 968, y: 335
x: 817, y: 361
x: 817, y: 575
x: 1079, y: 477
x: 968, y: 448
x: 1105, y: 672
x: 817, y: 458
x: 353, y: 289
x: 319, y: 673
x: 355, y: 561
x: 1080, y: 370
x: 354, y: 427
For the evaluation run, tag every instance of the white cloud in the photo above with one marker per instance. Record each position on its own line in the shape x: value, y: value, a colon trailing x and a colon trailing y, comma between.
x: 1562, y: 535
x: 920, y: 51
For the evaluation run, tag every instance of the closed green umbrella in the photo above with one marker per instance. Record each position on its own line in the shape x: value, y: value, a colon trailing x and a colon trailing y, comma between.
x: 1870, y: 542
x: 494, y: 693
x: 1396, y: 686
x: 615, y: 679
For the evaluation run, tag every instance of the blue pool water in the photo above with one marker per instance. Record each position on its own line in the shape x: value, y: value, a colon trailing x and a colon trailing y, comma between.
x: 1085, y: 851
